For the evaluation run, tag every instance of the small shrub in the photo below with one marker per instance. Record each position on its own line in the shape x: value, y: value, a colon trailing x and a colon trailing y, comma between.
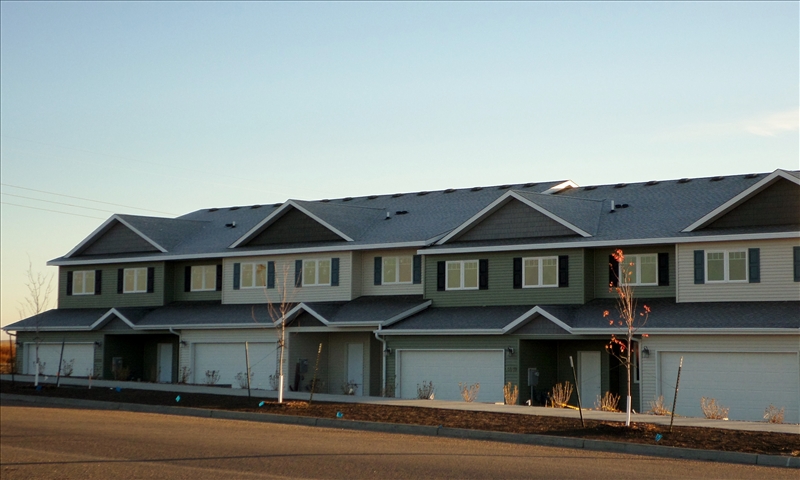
x: 67, y: 367
x: 41, y: 367
x: 349, y: 388
x: 560, y: 395
x: 774, y: 415
x: 388, y: 391
x: 184, y: 374
x: 426, y: 391
x: 657, y: 407
x: 712, y: 410
x: 212, y: 377
x: 241, y: 379
x: 510, y: 394
x: 607, y: 403
x: 469, y: 392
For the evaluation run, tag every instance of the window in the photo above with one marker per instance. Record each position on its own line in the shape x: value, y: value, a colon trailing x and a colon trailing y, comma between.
x: 640, y: 270
x: 726, y: 266
x: 83, y: 282
x: 253, y: 275
x: 204, y: 278
x: 539, y: 272
x: 462, y: 275
x: 316, y: 272
x: 397, y: 269
x: 135, y: 280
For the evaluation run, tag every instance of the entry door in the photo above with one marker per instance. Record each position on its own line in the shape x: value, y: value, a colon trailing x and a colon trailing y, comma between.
x: 355, y: 366
x: 589, y: 376
x: 165, y: 362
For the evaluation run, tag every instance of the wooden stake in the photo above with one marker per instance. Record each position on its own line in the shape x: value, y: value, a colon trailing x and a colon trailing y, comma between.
x: 60, y: 359
x: 675, y: 400
x: 577, y: 390
x: 247, y: 361
x: 314, y: 381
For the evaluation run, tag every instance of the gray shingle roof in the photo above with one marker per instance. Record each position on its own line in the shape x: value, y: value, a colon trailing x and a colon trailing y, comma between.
x: 59, y: 319
x: 462, y: 318
x: 367, y: 309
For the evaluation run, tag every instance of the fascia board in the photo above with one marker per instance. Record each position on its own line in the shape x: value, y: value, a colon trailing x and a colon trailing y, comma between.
x: 211, y: 326
x: 741, y: 198
x: 691, y: 331
x: 302, y: 306
x: 527, y: 316
x: 492, y: 331
x: 560, y: 186
x: 406, y: 314
x: 102, y: 320
x: 47, y: 329
x: 366, y: 328
x: 482, y: 214
x: 614, y: 243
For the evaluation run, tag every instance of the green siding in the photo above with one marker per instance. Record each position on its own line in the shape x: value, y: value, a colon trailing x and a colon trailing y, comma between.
x: 305, y: 346
x: 176, y: 271
x: 501, y: 282
x: 55, y: 337
x: 601, y: 289
x: 109, y: 297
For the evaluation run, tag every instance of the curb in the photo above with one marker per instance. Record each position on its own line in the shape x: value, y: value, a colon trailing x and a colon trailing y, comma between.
x: 460, y: 433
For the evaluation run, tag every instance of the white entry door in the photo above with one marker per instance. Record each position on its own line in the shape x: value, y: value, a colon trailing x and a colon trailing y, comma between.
x: 589, y: 377
x: 165, y: 362
x: 355, y: 366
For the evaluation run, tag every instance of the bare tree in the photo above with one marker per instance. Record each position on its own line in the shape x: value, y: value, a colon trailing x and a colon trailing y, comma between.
x: 629, y: 317
x: 38, y: 299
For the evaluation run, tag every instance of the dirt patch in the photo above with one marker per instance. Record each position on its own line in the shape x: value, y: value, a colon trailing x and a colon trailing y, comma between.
x: 688, y: 437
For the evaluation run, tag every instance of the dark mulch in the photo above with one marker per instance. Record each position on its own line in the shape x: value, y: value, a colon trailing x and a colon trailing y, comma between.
x: 689, y: 437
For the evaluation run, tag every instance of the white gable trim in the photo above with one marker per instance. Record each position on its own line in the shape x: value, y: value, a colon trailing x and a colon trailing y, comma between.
x: 107, y: 226
x: 274, y: 216
x: 527, y: 316
x: 291, y: 314
x: 741, y: 198
x: 406, y: 314
x: 560, y: 186
x: 107, y: 317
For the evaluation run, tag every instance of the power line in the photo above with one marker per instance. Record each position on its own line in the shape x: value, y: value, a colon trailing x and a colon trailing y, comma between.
x: 48, y: 210
x: 86, y: 199
x: 57, y: 203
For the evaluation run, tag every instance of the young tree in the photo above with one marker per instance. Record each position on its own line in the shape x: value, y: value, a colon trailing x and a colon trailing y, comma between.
x: 629, y: 317
x: 37, y: 300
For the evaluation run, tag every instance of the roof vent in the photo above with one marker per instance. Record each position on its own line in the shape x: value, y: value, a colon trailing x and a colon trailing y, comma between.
x: 528, y: 185
x: 401, y: 212
x: 397, y: 195
x: 621, y: 205
x: 450, y: 190
x: 255, y: 206
x: 684, y: 180
x: 504, y: 187
x: 388, y: 216
x: 325, y: 200
x: 347, y: 199
x: 231, y: 225
x: 213, y: 209
x: 751, y: 175
x: 422, y: 194
x: 234, y: 208
x: 651, y: 183
x: 372, y: 197
x: 621, y: 185
x: 277, y: 205
x: 476, y: 189
x: 612, y: 206
x: 717, y: 179
x: 590, y: 187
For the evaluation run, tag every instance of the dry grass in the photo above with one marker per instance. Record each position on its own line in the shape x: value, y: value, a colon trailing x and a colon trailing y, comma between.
x: 774, y: 415
x: 469, y: 392
x: 657, y: 407
x: 560, y: 394
x: 607, y: 403
x: 511, y: 394
x: 7, y: 355
x: 426, y: 391
x: 712, y: 410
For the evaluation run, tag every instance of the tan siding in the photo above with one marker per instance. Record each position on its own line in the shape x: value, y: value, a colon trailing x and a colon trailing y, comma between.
x: 368, y: 286
x: 219, y: 336
x: 601, y: 272
x: 337, y: 359
x: 776, y: 274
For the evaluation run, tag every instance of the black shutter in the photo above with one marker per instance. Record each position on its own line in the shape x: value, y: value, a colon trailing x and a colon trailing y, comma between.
x: 334, y: 272
x: 754, y: 264
x: 563, y: 270
x: 613, y: 271
x: 98, y: 282
x: 298, y: 273
x: 120, y: 279
x: 237, y: 273
x: 187, y: 278
x: 218, y: 286
x: 483, y: 274
x: 377, y: 274
x: 699, y: 267
x: 440, y: 276
x: 796, y: 251
x: 663, y: 269
x: 69, y: 283
x: 270, y: 274
x: 417, y: 275
x: 517, y: 272
x: 151, y: 277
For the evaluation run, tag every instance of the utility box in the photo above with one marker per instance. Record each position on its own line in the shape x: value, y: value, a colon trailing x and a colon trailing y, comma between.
x: 533, y: 377
x: 302, y: 365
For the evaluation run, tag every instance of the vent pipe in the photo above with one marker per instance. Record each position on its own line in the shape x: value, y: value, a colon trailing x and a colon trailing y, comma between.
x: 612, y: 207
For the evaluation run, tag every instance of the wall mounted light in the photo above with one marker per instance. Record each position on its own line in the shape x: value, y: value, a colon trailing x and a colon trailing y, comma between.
x: 388, y: 351
x: 183, y: 343
x: 646, y: 352
x: 510, y: 350
x: 98, y: 344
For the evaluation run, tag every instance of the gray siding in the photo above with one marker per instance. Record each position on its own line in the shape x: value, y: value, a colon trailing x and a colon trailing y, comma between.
x: 501, y: 282
x: 118, y: 239
x: 294, y: 227
x: 515, y: 220
x: 601, y: 288
x: 779, y: 204
x: 109, y: 297
x: 305, y: 346
x: 176, y: 271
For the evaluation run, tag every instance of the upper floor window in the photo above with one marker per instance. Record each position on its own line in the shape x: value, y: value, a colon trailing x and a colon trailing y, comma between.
x: 639, y: 270
x: 397, y: 269
x: 540, y: 272
x: 204, y: 278
x: 83, y: 282
x: 462, y: 275
x: 135, y: 280
x: 726, y: 266
x: 253, y: 275
x: 316, y: 272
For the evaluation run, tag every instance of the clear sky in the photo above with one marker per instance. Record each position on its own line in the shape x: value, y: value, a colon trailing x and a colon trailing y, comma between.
x: 162, y: 108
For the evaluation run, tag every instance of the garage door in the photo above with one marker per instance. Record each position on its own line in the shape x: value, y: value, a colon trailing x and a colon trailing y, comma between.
x: 79, y: 357
x: 445, y: 368
x: 745, y: 382
x: 228, y: 360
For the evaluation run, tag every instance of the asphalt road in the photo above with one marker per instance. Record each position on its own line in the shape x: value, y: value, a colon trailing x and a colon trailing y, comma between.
x: 49, y: 443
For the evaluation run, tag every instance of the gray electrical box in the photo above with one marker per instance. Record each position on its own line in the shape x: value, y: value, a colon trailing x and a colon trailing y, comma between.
x: 533, y: 377
x: 302, y: 365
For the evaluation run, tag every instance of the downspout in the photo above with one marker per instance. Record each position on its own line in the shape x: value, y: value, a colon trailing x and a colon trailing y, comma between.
x: 383, y: 357
x: 180, y: 346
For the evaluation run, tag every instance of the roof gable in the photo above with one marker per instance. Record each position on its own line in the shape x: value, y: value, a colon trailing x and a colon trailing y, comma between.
x: 115, y: 235
x: 514, y: 220
x: 300, y: 225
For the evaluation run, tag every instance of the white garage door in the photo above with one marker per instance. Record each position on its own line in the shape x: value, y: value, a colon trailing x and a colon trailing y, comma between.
x: 79, y: 357
x: 745, y: 382
x: 228, y: 359
x: 445, y: 368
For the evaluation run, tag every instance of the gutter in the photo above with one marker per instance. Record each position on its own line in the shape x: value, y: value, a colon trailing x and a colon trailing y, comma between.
x: 383, y: 357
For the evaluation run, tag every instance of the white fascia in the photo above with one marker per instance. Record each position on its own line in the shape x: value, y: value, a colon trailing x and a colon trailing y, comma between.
x: 691, y: 331
x: 211, y: 326
x: 406, y: 314
x: 296, y: 310
x: 525, y: 317
x: 475, y: 331
x: 741, y: 198
x: 105, y: 226
x: 561, y: 186
x: 46, y: 329
x: 107, y: 316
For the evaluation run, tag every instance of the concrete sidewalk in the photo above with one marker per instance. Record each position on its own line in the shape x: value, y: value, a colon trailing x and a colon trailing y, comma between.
x: 444, y: 404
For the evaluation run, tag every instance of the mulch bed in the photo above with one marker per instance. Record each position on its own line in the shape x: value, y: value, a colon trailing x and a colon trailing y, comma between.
x: 689, y: 437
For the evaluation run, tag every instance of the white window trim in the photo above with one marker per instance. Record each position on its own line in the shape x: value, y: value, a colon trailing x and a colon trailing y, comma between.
x: 86, y: 291
x: 255, y: 284
x: 461, y: 272
x: 541, y: 272
x: 638, y: 265
x: 136, y: 272
x: 726, y: 255
x: 205, y: 287
x: 397, y: 270
x: 316, y: 272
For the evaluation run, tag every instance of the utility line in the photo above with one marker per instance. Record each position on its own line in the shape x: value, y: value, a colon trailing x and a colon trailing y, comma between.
x: 48, y: 210
x: 85, y: 199
x: 57, y: 203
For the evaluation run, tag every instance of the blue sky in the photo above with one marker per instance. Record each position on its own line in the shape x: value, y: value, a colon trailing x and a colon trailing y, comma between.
x: 165, y: 108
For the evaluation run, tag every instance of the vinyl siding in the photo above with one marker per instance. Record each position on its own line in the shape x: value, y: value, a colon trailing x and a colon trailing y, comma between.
x: 176, y: 271
x: 357, y: 280
x: 515, y: 220
x: 118, y: 239
x: 305, y: 345
x: 337, y: 360
x: 601, y: 289
x: 368, y: 286
x: 109, y: 297
x: 343, y: 292
x: 501, y: 282
x: 777, y: 277
x: 220, y: 336
x: 58, y: 337
x: 779, y: 204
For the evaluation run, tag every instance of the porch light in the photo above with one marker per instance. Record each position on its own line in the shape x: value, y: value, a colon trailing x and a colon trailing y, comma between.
x: 183, y: 343
x: 388, y: 351
x: 510, y: 351
x: 98, y: 344
x: 646, y: 352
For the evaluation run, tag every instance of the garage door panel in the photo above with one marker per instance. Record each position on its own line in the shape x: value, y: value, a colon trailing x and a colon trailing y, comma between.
x: 228, y: 359
x: 447, y: 368
x: 744, y: 382
x: 81, y: 355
